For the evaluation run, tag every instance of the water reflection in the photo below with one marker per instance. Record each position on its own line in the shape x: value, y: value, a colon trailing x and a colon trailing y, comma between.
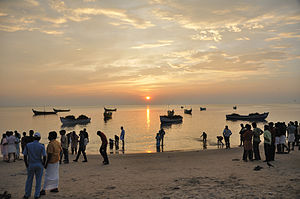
x: 148, y: 117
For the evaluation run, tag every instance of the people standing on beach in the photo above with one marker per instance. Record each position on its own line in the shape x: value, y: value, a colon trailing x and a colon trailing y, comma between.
x: 273, y: 148
x: 297, y: 134
x: 267, y: 143
x: 122, y: 137
x: 23, y: 141
x: 34, y: 158
x: 74, y: 142
x: 82, y: 147
x: 30, y: 138
x: 11, y: 147
x: 226, y: 134
x: 117, y: 142
x: 248, y: 144
x: 162, y: 135
x: 291, y: 129
x: 158, y: 138
x: 64, y: 146
x: 4, y: 144
x: 103, y: 147
x: 282, y: 139
x: 18, y: 140
x: 51, y: 178
x: 243, y: 129
x: 257, y: 132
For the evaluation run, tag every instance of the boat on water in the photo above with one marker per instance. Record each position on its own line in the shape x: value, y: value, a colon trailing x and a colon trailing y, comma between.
x: 188, y: 111
x: 61, y: 110
x: 110, y: 109
x: 202, y: 109
x: 251, y: 116
x: 43, y: 112
x: 170, y: 118
x: 107, y: 114
x: 71, y: 120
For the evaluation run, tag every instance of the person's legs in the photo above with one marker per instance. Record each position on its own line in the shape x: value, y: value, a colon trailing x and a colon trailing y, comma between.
x: 28, y: 186
x: 245, y: 155
x: 84, y: 155
x: 38, y: 180
x: 250, y: 153
x: 78, y: 154
x: 66, y: 155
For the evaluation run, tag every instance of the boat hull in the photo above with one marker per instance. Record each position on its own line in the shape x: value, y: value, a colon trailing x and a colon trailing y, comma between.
x: 110, y: 109
x: 43, y: 112
x: 66, y: 121
x: 173, y: 119
x: 250, y: 117
x: 61, y: 110
x: 188, y: 111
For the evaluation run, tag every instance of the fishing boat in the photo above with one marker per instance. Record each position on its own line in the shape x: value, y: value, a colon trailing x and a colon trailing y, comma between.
x: 188, y: 111
x: 43, y: 112
x: 61, y: 110
x: 202, y: 109
x: 251, y: 116
x: 107, y: 114
x: 170, y: 118
x: 71, y: 120
x: 110, y: 109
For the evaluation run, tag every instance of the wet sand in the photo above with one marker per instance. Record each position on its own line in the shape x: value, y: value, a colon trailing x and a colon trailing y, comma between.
x: 197, y: 174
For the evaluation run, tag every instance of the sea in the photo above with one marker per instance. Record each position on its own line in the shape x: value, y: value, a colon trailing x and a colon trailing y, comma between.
x: 142, y: 122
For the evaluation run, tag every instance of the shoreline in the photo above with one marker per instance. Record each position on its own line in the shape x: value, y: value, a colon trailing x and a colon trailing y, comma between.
x: 185, y: 174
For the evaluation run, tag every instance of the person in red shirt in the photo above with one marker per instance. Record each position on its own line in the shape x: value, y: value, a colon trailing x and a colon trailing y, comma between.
x: 103, y: 147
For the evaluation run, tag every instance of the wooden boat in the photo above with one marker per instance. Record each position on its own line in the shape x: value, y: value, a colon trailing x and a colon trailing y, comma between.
x: 110, y: 109
x: 43, y: 112
x: 61, y: 110
x: 71, y: 120
x: 107, y: 114
x: 251, y: 116
x: 188, y: 111
x: 170, y: 118
x: 202, y: 109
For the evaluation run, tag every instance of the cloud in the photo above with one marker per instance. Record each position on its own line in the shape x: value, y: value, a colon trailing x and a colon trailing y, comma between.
x: 284, y: 35
x: 33, y: 2
x: 243, y: 38
x: 160, y: 43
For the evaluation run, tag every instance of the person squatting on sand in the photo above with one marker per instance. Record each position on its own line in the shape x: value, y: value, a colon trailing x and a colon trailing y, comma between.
x: 103, y: 147
x: 257, y: 132
x: 248, y: 144
x: 226, y: 134
x: 34, y: 158
x: 52, y: 164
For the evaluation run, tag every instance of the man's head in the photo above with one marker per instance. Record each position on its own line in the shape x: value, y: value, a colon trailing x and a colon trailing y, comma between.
x: 226, y: 127
x: 254, y: 125
x: 248, y: 127
x: 121, y: 127
x: 52, y: 135
x: 62, y: 132
x: 99, y: 133
x: 242, y: 125
x: 37, y: 136
x: 31, y: 132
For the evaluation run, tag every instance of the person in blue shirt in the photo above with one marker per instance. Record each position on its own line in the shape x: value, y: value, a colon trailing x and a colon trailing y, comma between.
x: 122, y: 137
x: 226, y: 134
x: 34, y: 158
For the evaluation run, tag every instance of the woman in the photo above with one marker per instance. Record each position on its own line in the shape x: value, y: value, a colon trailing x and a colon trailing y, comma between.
x: 248, y: 134
x: 4, y: 147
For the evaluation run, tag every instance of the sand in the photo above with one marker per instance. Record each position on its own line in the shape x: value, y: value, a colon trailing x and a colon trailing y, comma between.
x: 216, y: 173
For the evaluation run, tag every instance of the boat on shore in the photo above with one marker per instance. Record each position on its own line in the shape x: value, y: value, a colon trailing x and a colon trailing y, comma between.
x: 170, y: 118
x: 251, y: 116
x: 202, y: 109
x: 110, y: 109
x: 71, y: 120
x: 43, y: 112
x: 188, y: 111
x: 61, y: 110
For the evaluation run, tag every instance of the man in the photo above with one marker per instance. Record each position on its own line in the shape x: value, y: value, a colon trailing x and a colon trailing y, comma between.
x: 291, y: 129
x: 256, y: 140
x: 34, y: 158
x: 82, y: 147
x: 242, y: 131
x: 248, y: 143
x: 103, y: 147
x: 272, y: 148
x: 64, y: 145
x: 52, y: 164
x: 162, y: 135
x: 267, y: 143
x: 226, y: 134
x: 122, y: 137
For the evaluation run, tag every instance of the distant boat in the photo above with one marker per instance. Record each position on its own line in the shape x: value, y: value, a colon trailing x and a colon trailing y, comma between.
x: 71, y: 120
x: 61, y: 110
x: 251, y: 116
x: 110, y: 109
x: 43, y: 112
x: 234, y: 107
x: 107, y: 114
x: 170, y: 118
x: 188, y: 111
x: 202, y: 109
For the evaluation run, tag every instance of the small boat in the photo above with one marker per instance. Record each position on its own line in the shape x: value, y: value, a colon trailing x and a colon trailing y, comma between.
x: 71, y: 120
x: 110, y: 109
x: 107, y: 114
x: 61, y: 110
x: 170, y: 118
x: 43, y: 112
x: 251, y: 116
x: 188, y: 111
x: 202, y: 109
x: 234, y: 107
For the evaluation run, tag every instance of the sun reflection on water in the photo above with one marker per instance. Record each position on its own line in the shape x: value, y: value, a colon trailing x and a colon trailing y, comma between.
x: 148, y: 117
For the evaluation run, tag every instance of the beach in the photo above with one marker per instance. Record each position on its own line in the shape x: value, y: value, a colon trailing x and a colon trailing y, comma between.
x: 218, y: 173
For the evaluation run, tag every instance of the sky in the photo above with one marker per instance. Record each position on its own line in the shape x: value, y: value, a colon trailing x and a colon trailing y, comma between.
x: 93, y: 52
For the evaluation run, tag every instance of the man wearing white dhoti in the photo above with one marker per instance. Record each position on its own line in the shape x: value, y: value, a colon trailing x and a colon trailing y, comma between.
x: 52, y: 164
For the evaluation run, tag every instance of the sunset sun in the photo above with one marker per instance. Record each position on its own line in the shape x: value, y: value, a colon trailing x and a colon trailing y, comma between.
x: 147, y: 97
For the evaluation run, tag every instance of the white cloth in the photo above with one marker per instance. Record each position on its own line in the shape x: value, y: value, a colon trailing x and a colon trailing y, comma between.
x: 291, y: 137
x: 51, y: 176
x: 277, y: 140
x: 282, y: 139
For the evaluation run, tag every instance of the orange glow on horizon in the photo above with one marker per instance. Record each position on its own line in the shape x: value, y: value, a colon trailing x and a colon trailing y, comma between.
x: 147, y: 97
